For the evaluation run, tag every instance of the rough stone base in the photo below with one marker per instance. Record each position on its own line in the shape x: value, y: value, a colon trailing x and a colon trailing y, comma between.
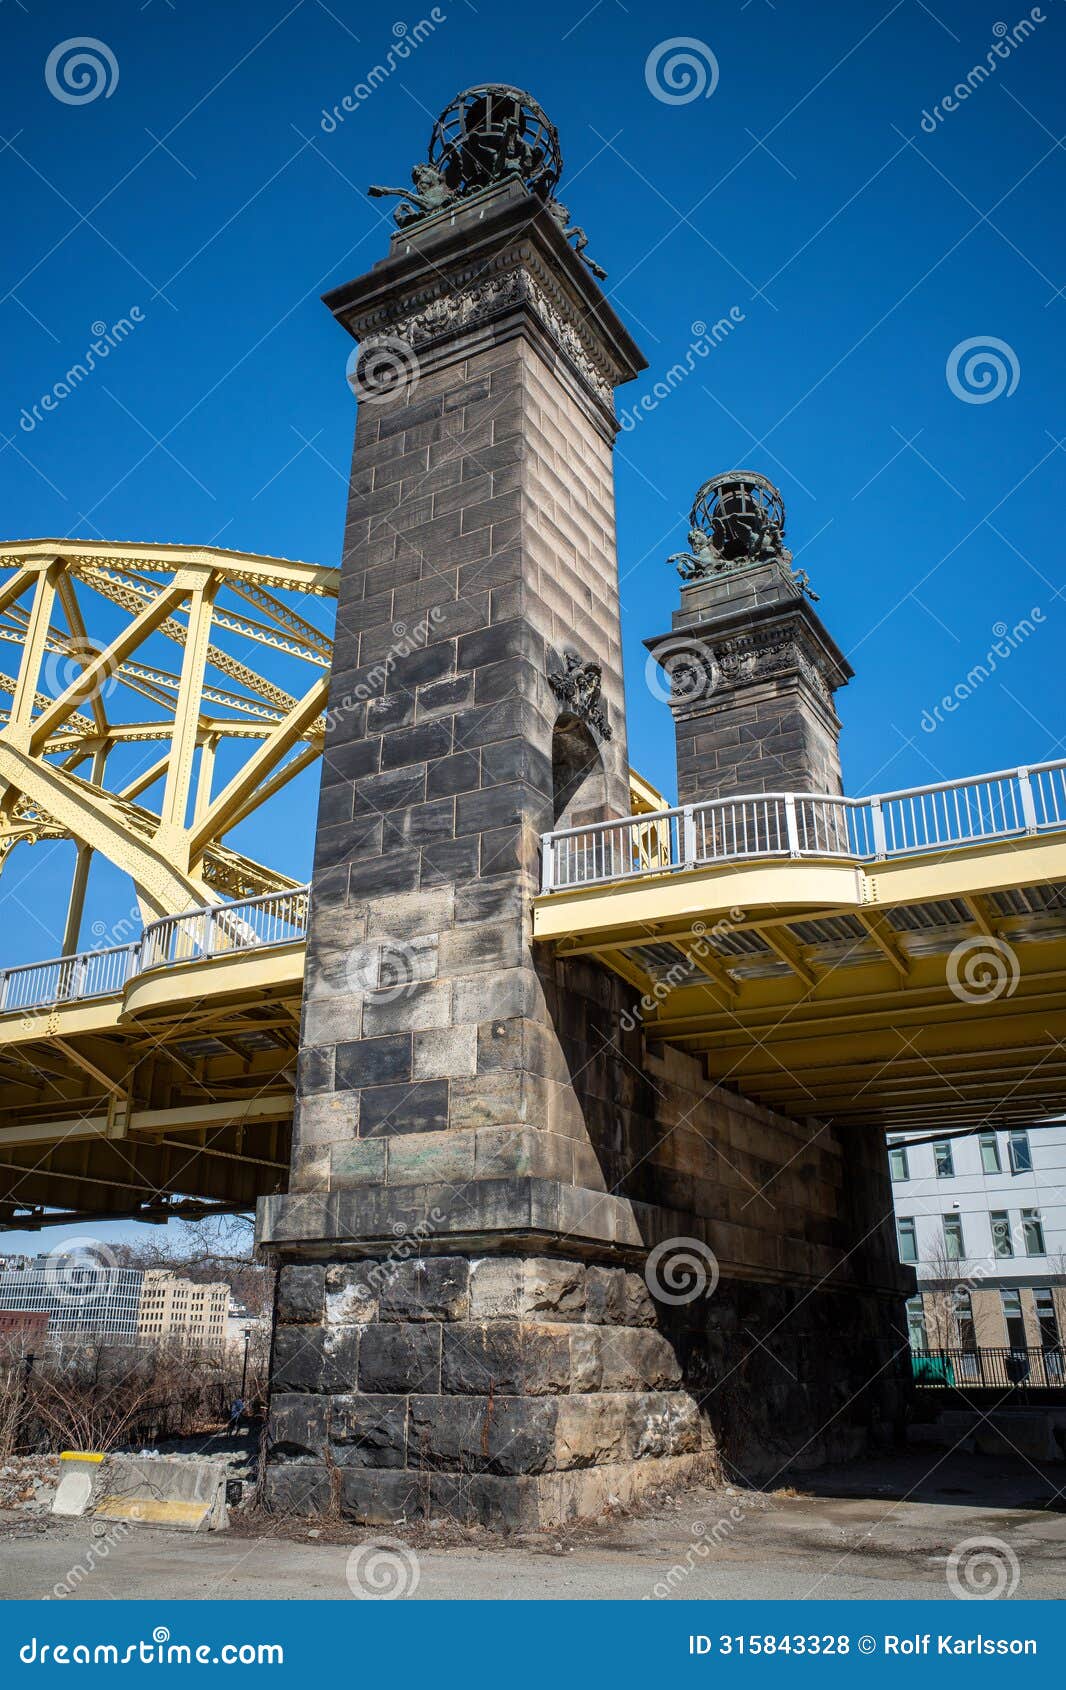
x: 522, y: 1502
x: 513, y: 1391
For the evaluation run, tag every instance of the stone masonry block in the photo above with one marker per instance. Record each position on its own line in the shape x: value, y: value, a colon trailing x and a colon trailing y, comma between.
x: 368, y: 1431
x: 484, y: 1434
x: 428, y: 1288
x: 591, y: 1430
x: 662, y: 1424
x: 362, y: 1162
x: 636, y: 1359
x: 438, y: 1158
x: 296, y: 1428
x: 301, y: 1291
x: 400, y: 1358
x: 381, y: 1496
x: 445, y: 1053
x: 351, y: 1293
x: 296, y: 1489
x: 509, y: 1358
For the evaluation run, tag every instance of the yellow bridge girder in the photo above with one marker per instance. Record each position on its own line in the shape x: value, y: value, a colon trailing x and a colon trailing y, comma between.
x: 916, y: 992
x: 72, y: 696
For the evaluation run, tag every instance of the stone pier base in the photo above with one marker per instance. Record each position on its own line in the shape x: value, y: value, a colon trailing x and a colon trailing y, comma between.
x: 513, y: 1391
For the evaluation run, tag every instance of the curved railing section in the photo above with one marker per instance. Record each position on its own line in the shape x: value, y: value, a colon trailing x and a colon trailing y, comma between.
x: 1007, y: 804
x: 276, y: 918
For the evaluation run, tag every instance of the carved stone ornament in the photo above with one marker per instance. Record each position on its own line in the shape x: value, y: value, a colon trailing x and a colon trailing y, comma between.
x: 747, y: 658
x: 580, y: 688
x: 461, y: 303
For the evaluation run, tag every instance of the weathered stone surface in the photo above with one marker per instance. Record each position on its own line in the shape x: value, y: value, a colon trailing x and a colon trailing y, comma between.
x: 351, y: 1293
x: 428, y: 1288
x: 504, y: 1505
x: 508, y: 1358
x: 555, y: 1289
x: 368, y: 1431
x: 300, y: 1294
x: 667, y: 1424
x: 586, y: 1359
x: 639, y: 1303
x: 496, y: 1434
x: 296, y: 1427
x: 340, y: 1353
x: 297, y: 1358
x: 502, y: 1287
x: 591, y: 1429
x: 296, y: 1488
x: 381, y: 1496
x: 400, y: 1357
x: 497, y: 1287
x: 606, y: 1296
x: 636, y: 1359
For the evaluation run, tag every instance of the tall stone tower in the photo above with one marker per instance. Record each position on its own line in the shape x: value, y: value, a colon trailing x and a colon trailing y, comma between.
x: 485, y: 1148
x: 751, y: 666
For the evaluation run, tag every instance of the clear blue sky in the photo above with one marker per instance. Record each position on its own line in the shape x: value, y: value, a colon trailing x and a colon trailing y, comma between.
x: 861, y: 249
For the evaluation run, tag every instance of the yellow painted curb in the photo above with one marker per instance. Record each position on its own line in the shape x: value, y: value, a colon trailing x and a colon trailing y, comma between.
x: 150, y: 1511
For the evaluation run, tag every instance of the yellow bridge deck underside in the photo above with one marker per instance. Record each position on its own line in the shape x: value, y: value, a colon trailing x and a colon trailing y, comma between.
x: 919, y: 992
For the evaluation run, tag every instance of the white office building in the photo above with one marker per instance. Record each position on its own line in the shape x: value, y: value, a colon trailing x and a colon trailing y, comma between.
x: 982, y: 1219
x: 77, y: 1295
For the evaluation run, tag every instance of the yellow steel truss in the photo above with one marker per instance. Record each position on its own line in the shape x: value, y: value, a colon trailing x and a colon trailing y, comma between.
x: 71, y: 698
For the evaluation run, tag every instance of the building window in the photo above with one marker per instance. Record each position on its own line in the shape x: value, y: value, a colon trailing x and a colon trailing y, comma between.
x: 1012, y: 1314
x: 965, y: 1331
x: 916, y: 1332
x: 990, y: 1153
x: 1002, y: 1242
x: 1021, y: 1155
x: 908, y: 1239
x: 1033, y: 1232
x: 953, y: 1237
x: 1046, y: 1318
x: 897, y: 1159
x: 943, y: 1160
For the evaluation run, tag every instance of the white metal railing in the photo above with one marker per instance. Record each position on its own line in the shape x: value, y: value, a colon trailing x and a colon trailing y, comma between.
x: 276, y: 918
x: 805, y: 824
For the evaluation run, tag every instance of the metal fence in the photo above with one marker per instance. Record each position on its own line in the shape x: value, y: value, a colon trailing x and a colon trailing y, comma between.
x: 956, y: 1369
x: 276, y: 918
x: 804, y: 824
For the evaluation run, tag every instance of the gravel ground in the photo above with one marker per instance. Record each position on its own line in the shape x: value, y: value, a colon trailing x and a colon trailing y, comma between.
x: 883, y: 1531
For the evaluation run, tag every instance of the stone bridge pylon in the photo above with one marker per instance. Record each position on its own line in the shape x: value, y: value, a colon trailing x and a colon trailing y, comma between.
x: 502, y: 1192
